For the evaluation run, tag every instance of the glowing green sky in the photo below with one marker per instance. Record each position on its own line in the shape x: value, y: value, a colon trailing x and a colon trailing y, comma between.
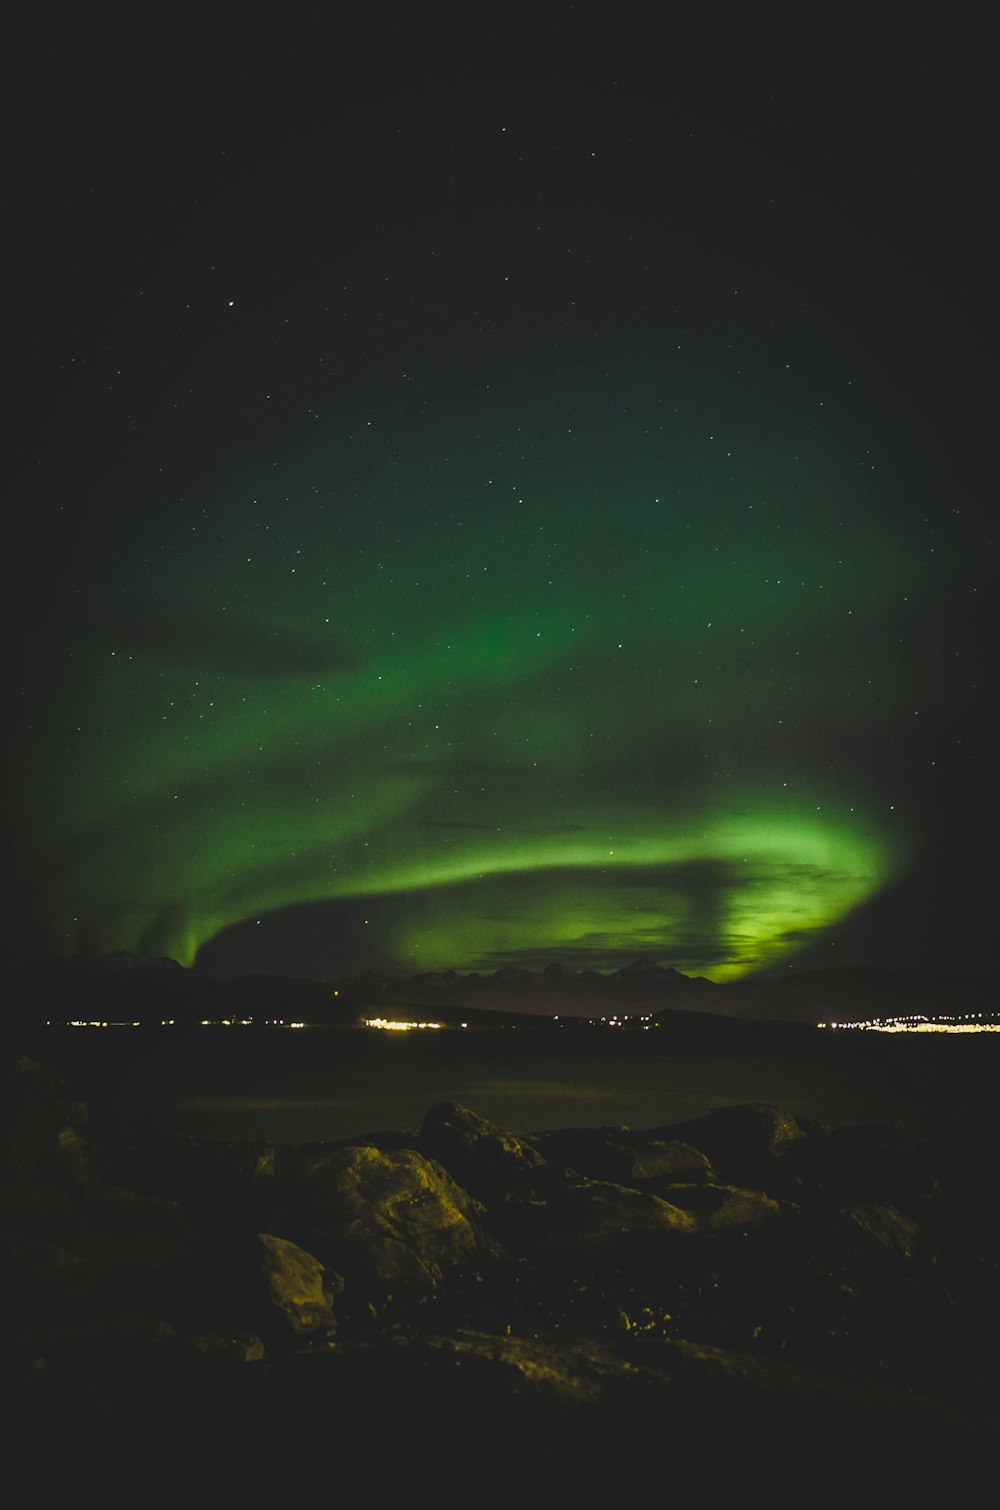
x: 552, y: 595
x: 363, y: 679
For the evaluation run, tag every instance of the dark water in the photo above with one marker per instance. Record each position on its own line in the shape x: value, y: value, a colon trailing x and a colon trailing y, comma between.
x: 316, y: 1084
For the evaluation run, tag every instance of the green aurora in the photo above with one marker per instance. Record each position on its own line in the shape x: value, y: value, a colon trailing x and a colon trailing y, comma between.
x: 571, y: 703
x: 501, y: 563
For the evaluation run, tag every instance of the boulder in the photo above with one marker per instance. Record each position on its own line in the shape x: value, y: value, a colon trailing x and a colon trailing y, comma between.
x: 542, y: 1417
x: 738, y: 1139
x: 222, y: 1180
x: 623, y: 1156
x: 484, y: 1158
x: 746, y: 1283
x: 40, y: 1125
x: 874, y: 1163
x: 718, y: 1209
x: 296, y: 1291
x: 393, y: 1222
x: 588, y: 1219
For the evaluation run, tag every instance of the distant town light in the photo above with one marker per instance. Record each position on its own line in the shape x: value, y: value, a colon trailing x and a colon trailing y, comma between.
x: 969, y: 1022
x: 394, y: 1025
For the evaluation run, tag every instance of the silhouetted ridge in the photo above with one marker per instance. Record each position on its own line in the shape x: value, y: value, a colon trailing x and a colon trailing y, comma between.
x: 126, y: 987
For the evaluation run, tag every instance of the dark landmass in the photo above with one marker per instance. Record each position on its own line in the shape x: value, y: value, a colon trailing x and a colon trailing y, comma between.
x: 745, y: 1302
x: 124, y: 987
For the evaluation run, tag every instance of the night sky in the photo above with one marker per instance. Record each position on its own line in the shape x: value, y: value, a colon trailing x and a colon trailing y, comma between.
x: 499, y: 521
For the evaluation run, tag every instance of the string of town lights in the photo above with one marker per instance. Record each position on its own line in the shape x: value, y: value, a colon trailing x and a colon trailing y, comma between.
x: 970, y: 1022
x: 384, y: 1024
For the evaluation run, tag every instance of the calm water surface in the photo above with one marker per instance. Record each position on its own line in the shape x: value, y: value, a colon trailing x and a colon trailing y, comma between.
x: 321, y: 1085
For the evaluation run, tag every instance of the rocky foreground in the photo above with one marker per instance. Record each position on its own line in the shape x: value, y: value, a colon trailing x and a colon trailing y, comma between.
x: 747, y: 1302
